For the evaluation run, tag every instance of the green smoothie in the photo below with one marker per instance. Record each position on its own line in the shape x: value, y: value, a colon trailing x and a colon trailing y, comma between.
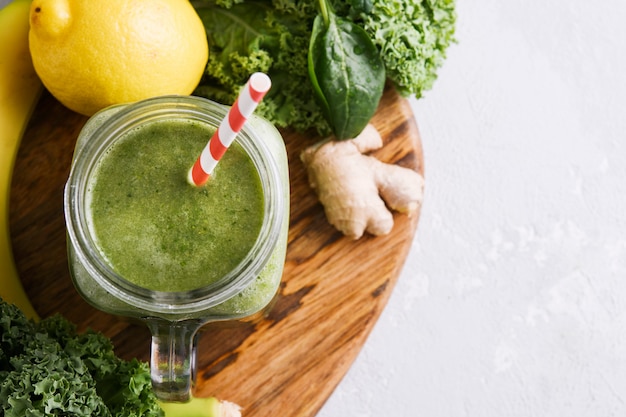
x: 195, y: 254
x: 132, y: 217
x: 160, y: 232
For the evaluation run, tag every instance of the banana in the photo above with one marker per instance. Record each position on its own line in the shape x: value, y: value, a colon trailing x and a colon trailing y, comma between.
x: 20, y: 89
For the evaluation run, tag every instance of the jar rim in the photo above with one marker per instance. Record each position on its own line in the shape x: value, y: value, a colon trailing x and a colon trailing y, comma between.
x: 121, y: 119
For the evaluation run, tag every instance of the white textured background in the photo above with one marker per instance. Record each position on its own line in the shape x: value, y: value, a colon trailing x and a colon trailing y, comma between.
x: 513, y: 299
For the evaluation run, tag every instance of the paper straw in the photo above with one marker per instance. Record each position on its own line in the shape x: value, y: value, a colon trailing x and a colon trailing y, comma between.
x: 253, y: 92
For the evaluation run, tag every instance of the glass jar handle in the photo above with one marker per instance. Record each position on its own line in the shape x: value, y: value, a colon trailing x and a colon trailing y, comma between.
x: 173, y: 359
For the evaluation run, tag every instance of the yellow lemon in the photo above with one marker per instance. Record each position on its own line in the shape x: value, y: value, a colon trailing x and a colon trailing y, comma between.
x: 92, y: 54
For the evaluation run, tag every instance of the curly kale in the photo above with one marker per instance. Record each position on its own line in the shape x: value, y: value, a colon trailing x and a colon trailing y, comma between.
x: 48, y: 369
x: 412, y: 37
x: 273, y: 36
x: 259, y: 36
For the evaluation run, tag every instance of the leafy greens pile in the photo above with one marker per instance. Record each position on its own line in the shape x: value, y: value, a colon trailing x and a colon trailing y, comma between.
x: 273, y: 36
x: 47, y: 369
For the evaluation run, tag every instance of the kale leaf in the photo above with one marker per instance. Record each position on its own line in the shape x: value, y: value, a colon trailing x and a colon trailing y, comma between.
x: 48, y: 369
x: 258, y: 36
x: 273, y: 36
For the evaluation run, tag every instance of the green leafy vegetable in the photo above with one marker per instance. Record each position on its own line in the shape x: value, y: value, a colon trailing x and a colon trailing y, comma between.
x: 273, y: 36
x: 412, y: 36
x: 48, y: 369
x: 258, y: 36
x: 346, y: 71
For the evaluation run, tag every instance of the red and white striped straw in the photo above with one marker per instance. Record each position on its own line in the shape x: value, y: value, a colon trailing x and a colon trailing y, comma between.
x: 253, y: 92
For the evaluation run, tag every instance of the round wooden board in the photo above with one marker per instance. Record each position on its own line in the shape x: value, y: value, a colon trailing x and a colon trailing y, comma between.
x: 285, y: 363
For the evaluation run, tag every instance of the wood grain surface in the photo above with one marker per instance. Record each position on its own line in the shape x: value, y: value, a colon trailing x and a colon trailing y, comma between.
x: 286, y: 362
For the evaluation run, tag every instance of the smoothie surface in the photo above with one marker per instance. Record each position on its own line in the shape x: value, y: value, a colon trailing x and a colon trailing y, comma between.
x: 158, y: 231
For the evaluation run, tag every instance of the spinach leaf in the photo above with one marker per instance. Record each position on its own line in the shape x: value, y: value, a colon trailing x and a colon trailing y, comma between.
x: 346, y: 71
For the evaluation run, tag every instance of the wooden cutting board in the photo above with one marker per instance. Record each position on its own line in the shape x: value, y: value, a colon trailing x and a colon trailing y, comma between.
x: 285, y: 363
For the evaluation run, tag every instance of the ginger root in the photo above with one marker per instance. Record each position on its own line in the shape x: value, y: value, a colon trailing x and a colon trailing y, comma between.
x: 353, y: 187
